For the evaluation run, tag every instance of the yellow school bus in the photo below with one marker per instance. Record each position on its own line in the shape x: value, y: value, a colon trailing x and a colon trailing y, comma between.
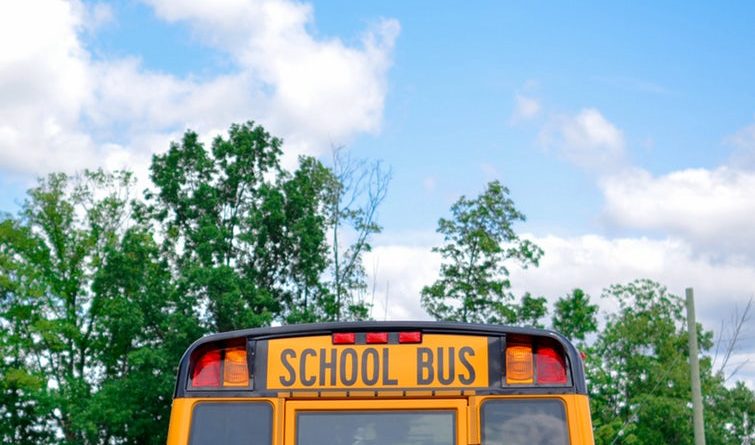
x: 381, y: 383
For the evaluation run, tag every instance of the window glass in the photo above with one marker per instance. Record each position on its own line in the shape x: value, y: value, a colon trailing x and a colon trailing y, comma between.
x: 524, y: 422
x: 376, y: 428
x: 248, y: 423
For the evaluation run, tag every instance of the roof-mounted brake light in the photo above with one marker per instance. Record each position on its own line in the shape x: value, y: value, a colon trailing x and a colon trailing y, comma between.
x: 344, y: 338
x: 376, y: 338
x: 410, y: 337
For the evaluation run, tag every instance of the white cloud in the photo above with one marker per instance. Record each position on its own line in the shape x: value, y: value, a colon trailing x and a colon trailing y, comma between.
x: 61, y: 110
x: 712, y: 209
x: 525, y: 108
x: 743, y: 138
x: 400, y: 272
x: 587, y: 139
x: 320, y: 89
x: 743, y: 141
x: 44, y: 85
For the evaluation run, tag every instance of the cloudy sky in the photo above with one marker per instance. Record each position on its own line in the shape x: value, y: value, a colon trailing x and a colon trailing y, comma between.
x: 625, y: 133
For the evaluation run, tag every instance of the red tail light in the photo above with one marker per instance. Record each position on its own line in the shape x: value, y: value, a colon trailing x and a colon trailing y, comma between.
x: 207, y: 370
x: 551, y: 368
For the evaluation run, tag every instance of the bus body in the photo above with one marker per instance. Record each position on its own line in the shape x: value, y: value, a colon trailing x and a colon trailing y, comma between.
x: 381, y: 383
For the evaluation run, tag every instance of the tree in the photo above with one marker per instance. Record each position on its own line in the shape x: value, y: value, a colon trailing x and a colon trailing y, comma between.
x: 82, y: 296
x: 531, y: 310
x: 639, y: 377
x: 574, y: 316
x: 357, y: 190
x: 479, y: 241
x: 245, y: 238
x: 95, y: 312
x: 307, y: 195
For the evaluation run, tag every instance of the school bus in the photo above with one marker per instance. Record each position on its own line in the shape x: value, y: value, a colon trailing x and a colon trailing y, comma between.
x: 381, y: 383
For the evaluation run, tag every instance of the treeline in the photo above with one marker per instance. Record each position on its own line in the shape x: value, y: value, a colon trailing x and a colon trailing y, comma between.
x: 636, y: 362
x: 102, y: 288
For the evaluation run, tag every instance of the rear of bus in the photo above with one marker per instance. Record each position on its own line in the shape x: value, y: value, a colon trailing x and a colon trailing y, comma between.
x: 372, y: 383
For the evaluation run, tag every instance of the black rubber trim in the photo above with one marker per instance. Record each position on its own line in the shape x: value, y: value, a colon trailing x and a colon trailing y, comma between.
x: 574, y: 362
x: 495, y: 361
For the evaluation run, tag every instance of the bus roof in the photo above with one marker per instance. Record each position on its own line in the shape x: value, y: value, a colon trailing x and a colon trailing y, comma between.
x: 572, y: 356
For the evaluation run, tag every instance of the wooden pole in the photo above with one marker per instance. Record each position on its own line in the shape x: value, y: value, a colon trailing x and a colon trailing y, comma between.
x: 694, y: 369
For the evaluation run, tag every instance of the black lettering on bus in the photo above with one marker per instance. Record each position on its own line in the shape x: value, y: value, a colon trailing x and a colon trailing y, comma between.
x: 370, y: 374
x: 470, y: 377
x: 425, y: 363
x: 387, y: 380
x: 306, y: 380
x: 447, y: 366
x: 350, y: 380
x: 285, y: 355
x: 328, y: 365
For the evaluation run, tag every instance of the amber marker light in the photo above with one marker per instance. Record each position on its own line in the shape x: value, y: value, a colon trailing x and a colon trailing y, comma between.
x: 235, y: 369
x: 519, y: 366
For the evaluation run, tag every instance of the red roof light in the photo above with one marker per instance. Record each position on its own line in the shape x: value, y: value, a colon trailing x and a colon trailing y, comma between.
x: 344, y: 338
x: 410, y: 337
x: 376, y: 337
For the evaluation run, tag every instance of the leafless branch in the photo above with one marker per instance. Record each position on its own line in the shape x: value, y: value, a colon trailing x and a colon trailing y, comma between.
x: 738, y: 321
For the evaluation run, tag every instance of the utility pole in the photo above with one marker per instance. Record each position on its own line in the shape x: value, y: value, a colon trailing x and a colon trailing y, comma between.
x: 694, y: 368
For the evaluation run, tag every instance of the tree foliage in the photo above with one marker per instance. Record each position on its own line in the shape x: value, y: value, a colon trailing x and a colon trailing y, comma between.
x: 83, y: 299
x: 246, y: 238
x: 639, y: 376
x: 574, y: 316
x: 479, y: 242
x: 101, y: 292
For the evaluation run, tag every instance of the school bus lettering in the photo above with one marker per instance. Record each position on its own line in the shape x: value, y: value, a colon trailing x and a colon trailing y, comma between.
x: 442, y: 364
x: 464, y: 354
x: 337, y: 367
x: 315, y: 363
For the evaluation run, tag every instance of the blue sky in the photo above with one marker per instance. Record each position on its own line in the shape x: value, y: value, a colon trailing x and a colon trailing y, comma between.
x: 677, y: 79
x: 626, y: 132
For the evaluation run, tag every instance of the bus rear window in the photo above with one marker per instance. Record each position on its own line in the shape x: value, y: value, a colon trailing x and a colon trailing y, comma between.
x: 376, y: 428
x: 524, y: 422
x: 248, y: 423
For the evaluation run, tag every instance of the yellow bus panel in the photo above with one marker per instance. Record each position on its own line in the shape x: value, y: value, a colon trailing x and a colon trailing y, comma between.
x: 440, y: 361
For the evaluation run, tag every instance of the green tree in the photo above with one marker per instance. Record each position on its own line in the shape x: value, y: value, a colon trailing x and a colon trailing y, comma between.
x: 307, y: 194
x: 95, y: 313
x: 531, y: 310
x: 574, y: 316
x: 638, y: 379
x: 75, y: 318
x: 639, y: 376
x: 479, y: 242
x: 245, y: 237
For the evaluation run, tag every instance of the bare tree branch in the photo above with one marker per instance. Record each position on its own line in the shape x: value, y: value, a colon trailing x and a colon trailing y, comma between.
x: 738, y: 321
